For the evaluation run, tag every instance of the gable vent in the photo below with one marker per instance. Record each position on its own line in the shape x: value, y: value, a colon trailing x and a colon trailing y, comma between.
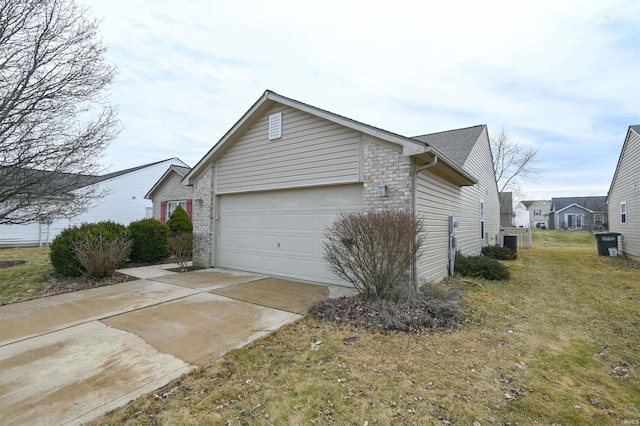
x: 275, y: 126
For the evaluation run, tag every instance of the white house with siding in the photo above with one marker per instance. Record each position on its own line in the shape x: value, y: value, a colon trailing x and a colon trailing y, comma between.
x: 623, y: 201
x: 266, y: 192
x: 123, y: 203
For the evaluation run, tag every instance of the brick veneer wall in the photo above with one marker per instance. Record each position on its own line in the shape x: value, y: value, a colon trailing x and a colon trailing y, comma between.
x: 172, y: 190
x: 203, y: 219
x: 383, y: 164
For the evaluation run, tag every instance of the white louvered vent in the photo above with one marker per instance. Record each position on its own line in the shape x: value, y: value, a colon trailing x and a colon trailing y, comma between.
x: 275, y: 126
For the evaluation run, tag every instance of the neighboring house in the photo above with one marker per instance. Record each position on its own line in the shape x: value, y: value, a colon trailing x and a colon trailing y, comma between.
x: 506, y: 209
x: 522, y: 214
x: 286, y: 170
x: 169, y: 192
x: 578, y: 213
x: 123, y: 203
x: 533, y: 214
x: 624, y: 195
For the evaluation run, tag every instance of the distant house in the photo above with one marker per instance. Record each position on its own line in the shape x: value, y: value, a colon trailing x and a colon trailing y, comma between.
x: 624, y: 195
x: 533, y: 213
x: 123, y: 203
x: 506, y: 210
x: 168, y: 193
x: 286, y: 170
x: 578, y: 213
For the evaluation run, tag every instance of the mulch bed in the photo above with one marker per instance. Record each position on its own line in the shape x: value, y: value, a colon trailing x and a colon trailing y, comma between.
x: 630, y: 263
x: 59, y: 285
x: 434, y: 308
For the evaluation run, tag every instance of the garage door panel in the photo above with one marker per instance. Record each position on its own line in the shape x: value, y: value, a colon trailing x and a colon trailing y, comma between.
x: 281, y: 232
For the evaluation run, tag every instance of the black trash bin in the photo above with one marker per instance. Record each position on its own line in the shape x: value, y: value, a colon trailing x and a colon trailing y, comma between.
x: 607, y: 240
x: 510, y: 242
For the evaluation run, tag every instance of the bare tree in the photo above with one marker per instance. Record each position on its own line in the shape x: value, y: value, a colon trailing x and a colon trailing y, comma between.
x: 512, y: 162
x: 54, y: 120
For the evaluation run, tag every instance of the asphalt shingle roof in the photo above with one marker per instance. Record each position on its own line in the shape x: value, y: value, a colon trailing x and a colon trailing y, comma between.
x: 597, y: 203
x: 455, y: 144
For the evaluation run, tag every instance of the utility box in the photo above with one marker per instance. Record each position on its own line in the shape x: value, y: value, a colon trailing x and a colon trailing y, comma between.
x: 510, y: 242
x: 607, y: 243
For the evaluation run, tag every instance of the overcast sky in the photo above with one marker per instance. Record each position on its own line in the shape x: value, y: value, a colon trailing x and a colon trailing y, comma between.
x: 562, y: 76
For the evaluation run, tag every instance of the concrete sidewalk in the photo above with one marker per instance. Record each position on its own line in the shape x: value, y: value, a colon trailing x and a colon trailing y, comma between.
x: 69, y: 358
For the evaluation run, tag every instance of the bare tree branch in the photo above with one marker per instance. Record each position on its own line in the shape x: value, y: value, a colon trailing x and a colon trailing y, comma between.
x: 54, y: 121
x: 512, y: 162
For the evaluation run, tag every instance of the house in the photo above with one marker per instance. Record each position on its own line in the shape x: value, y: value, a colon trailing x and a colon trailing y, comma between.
x: 169, y: 192
x: 266, y: 192
x: 623, y: 201
x: 506, y: 209
x: 123, y: 203
x: 533, y: 214
x: 578, y: 213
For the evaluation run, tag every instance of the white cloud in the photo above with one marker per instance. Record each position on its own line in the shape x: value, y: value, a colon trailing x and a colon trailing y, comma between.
x: 560, y: 76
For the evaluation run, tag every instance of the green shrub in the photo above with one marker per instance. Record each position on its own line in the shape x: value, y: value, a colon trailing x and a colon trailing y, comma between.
x: 179, y: 222
x: 101, y: 256
x: 149, y: 240
x: 480, y: 267
x: 62, y: 254
x: 498, y: 253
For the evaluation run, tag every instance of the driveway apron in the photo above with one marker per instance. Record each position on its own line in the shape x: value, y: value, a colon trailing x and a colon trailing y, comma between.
x: 69, y: 358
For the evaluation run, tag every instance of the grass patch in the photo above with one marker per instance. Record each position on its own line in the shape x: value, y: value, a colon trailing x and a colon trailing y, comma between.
x: 561, y: 237
x: 21, y: 282
x: 558, y: 343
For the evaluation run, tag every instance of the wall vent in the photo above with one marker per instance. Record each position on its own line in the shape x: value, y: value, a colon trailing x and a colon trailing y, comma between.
x: 275, y: 126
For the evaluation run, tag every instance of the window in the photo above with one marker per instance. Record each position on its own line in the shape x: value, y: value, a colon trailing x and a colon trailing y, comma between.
x: 537, y: 212
x: 598, y: 218
x: 171, y: 206
x: 482, y: 219
x: 623, y: 212
x: 573, y: 220
x: 149, y: 213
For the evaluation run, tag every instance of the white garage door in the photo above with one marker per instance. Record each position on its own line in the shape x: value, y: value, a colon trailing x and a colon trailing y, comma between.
x: 281, y: 232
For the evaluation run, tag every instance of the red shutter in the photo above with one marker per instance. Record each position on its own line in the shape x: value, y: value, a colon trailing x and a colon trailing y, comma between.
x: 189, y: 207
x: 163, y: 211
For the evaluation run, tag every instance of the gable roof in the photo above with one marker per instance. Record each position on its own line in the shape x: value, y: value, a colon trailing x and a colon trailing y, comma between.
x: 173, y: 169
x: 410, y: 147
x: 134, y: 169
x: 455, y: 144
x: 636, y: 129
x: 65, y: 183
x: 597, y: 203
x: 528, y: 203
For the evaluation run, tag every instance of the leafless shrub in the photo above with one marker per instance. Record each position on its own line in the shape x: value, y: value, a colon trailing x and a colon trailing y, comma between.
x: 99, y: 256
x: 375, y: 251
x: 181, y: 246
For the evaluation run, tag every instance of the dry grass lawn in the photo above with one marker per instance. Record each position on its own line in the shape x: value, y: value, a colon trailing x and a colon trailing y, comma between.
x: 557, y: 344
x: 23, y: 281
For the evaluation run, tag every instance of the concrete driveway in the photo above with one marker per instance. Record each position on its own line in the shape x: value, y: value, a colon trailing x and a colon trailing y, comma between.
x: 69, y: 358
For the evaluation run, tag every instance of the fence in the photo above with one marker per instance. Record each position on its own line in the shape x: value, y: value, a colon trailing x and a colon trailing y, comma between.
x: 523, y: 234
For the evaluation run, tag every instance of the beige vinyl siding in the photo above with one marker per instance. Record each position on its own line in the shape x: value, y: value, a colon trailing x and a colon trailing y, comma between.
x: 436, y: 200
x: 626, y: 188
x: 479, y: 164
x: 311, y: 152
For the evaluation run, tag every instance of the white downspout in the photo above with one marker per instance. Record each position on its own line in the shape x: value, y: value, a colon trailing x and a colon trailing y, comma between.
x: 414, y: 196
